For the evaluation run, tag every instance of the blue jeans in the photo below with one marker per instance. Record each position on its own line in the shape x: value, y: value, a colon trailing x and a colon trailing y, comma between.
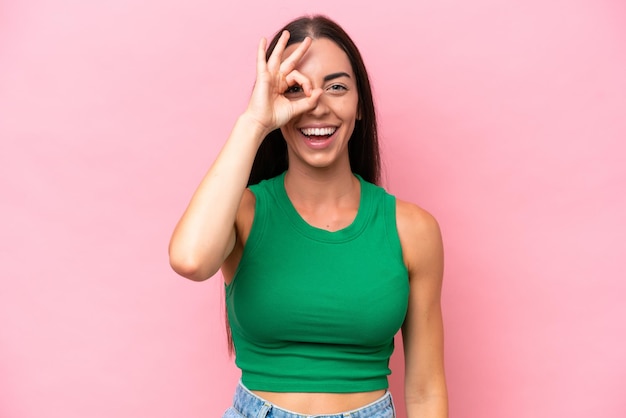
x: 247, y: 405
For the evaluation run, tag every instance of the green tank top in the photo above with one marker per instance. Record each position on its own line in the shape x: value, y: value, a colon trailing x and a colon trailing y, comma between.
x: 312, y: 310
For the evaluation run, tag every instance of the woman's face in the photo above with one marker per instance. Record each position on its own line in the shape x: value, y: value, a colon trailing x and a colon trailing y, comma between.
x: 319, y: 138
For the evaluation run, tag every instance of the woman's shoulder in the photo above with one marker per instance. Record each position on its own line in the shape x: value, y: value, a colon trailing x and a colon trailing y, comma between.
x: 411, y: 219
x: 419, y: 232
x: 414, y: 216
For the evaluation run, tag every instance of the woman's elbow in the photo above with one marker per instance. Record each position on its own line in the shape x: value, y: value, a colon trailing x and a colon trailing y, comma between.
x: 191, y: 268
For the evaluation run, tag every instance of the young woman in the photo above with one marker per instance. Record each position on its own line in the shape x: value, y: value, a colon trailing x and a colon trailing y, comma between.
x: 322, y: 267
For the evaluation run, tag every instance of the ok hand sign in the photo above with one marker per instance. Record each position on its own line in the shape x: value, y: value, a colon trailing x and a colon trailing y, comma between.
x: 268, y: 104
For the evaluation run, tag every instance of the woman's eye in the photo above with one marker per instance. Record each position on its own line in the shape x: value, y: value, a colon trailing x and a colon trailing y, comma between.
x: 337, y: 88
x: 295, y: 89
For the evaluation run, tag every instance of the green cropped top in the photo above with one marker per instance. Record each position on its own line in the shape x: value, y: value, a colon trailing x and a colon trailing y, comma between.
x: 316, y: 311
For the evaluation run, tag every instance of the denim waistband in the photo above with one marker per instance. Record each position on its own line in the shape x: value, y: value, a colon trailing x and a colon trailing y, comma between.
x: 251, y: 406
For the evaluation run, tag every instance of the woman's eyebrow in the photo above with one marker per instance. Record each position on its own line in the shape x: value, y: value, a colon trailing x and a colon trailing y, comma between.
x: 335, y: 75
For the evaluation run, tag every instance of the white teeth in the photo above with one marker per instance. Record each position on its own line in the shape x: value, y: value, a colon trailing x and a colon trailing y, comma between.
x: 318, y: 131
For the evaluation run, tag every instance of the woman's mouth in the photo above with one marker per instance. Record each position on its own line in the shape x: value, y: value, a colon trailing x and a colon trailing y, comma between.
x: 319, y: 138
x: 318, y: 133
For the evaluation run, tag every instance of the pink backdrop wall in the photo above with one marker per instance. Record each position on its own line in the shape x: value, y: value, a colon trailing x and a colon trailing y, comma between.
x: 507, y: 120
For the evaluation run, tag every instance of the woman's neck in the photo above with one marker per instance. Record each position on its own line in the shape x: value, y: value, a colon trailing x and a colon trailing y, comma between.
x: 321, y: 186
x: 324, y: 201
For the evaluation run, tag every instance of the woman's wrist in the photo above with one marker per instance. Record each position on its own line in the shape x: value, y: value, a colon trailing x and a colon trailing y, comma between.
x: 253, y: 126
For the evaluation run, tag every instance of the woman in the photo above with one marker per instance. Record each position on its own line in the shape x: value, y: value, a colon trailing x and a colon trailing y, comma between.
x: 322, y: 267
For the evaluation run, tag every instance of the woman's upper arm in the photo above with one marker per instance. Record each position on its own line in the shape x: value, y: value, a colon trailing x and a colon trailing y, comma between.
x: 422, y: 331
x: 241, y: 231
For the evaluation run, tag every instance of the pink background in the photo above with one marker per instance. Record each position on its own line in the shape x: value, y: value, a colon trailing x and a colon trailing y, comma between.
x: 507, y: 120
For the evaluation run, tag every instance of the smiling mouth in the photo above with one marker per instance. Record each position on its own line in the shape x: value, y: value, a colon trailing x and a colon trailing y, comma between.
x: 318, y: 133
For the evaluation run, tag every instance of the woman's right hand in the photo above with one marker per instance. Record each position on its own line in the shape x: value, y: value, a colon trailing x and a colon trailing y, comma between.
x: 268, y: 105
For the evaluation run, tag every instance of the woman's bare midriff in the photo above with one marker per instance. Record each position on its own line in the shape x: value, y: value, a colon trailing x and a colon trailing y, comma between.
x: 320, y: 403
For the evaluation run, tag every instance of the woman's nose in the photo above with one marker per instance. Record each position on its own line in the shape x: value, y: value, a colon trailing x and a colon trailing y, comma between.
x: 321, y: 108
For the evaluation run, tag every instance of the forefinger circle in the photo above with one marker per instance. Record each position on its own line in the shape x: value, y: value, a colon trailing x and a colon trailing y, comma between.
x: 296, y: 77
